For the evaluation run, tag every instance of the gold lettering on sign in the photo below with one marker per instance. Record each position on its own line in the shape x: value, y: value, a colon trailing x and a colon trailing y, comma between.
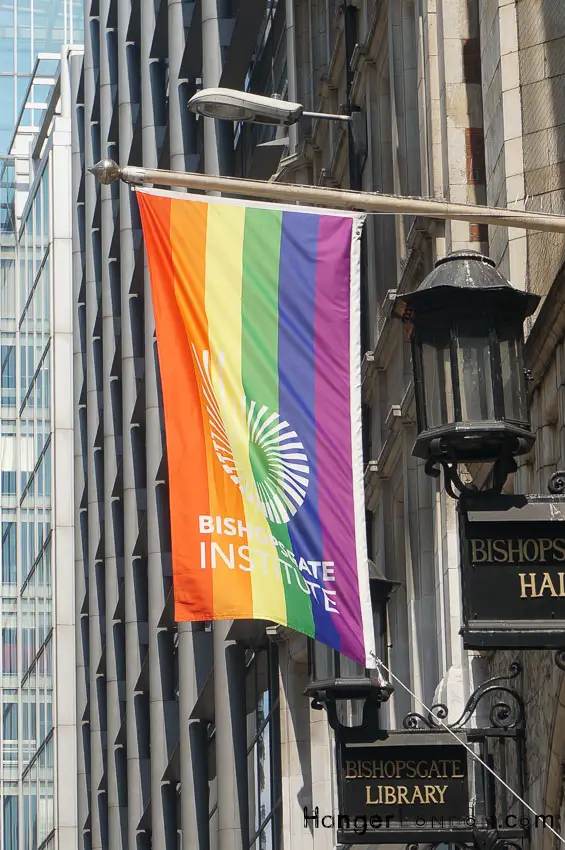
x: 441, y: 789
x: 528, y: 550
x: 402, y: 795
x: 415, y: 792
x: 547, y: 583
x: 393, y: 795
x: 369, y: 800
x: 529, y: 585
x: 423, y: 769
x: 478, y: 548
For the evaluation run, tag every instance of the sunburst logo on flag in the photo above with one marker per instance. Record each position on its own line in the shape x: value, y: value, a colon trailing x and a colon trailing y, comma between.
x: 276, y: 478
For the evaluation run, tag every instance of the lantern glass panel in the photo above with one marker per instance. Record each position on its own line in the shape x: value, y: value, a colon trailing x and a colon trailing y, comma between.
x: 379, y: 620
x: 475, y: 376
x: 350, y: 669
x: 350, y: 711
x: 438, y: 387
x: 513, y: 380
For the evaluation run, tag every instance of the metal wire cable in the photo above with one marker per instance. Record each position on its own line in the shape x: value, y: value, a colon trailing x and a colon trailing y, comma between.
x: 382, y: 665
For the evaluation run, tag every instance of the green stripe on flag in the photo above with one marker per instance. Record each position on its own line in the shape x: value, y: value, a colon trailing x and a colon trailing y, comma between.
x: 260, y: 377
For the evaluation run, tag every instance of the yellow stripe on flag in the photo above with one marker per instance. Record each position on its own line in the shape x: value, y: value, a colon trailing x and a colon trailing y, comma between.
x: 224, y: 273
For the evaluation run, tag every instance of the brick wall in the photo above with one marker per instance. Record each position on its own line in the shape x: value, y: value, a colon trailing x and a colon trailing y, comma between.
x: 503, y: 130
x: 541, y: 32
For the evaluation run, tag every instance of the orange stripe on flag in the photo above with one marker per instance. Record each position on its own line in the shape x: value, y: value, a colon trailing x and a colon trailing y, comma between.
x: 186, y: 452
x: 233, y: 599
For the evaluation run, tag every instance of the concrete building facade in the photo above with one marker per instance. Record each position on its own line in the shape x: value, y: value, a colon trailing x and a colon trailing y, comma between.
x: 200, y: 736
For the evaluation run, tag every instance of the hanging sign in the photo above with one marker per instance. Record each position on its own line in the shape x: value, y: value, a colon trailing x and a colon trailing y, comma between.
x: 413, y: 783
x: 513, y: 572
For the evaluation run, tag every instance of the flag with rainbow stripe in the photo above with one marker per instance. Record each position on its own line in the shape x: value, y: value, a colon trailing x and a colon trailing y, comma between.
x: 257, y: 315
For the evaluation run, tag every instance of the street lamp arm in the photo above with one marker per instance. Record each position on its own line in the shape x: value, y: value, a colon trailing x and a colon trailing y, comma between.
x: 107, y: 171
x: 327, y: 116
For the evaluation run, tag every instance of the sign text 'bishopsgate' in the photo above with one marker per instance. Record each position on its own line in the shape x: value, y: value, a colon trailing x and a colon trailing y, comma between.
x: 520, y: 552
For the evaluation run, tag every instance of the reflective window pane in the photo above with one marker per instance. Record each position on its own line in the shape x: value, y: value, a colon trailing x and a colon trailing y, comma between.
x: 8, y: 368
x: 10, y: 821
x: 324, y: 664
x: 475, y: 378
x: 9, y: 561
x: 438, y: 386
x: 263, y: 740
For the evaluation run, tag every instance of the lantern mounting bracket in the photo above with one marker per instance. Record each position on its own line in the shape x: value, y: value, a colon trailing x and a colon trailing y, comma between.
x: 326, y: 693
x: 503, y: 466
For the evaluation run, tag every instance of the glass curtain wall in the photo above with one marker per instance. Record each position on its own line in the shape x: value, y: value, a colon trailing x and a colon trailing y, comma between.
x: 29, y: 27
x: 26, y: 687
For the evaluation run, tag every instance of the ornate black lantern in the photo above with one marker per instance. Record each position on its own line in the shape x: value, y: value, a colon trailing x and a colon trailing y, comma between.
x: 467, y: 350
x: 350, y: 695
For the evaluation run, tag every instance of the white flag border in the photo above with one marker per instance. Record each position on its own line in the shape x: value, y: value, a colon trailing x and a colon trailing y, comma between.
x: 357, y: 444
x: 242, y: 202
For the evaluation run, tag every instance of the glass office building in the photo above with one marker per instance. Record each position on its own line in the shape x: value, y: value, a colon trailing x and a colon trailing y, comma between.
x: 37, y: 761
x: 29, y: 28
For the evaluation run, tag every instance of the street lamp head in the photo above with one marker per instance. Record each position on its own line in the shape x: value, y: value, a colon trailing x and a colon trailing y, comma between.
x: 467, y: 354
x: 231, y: 105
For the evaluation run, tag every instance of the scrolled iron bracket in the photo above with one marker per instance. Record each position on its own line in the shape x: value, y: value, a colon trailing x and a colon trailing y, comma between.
x: 456, y: 845
x: 482, y: 840
x: 489, y: 839
x: 560, y: 659
x: 556, y: 483
x: 504, y: 714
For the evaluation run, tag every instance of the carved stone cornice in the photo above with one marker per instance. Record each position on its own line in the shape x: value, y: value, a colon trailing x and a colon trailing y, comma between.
x: 370, y: 51
x: 375, y: 361
x: 398, y: 418
x: 368, y: 377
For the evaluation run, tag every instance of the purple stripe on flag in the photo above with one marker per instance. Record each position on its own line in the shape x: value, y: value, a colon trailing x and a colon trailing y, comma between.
x: 333, y: 427
x: 297, y: 307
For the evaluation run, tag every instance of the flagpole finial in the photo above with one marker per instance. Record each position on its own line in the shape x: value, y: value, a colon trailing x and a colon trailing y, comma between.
x: 107, y: 171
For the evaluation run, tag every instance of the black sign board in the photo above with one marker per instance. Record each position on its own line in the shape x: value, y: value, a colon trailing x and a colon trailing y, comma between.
x: 411, y: 784
x: 513, y: 573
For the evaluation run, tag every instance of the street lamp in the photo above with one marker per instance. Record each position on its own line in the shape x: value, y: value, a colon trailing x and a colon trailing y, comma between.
x: 467, y: 355
x: 232, y: 105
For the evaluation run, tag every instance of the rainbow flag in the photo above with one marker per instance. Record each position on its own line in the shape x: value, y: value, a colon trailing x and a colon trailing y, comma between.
x: 257, y: 313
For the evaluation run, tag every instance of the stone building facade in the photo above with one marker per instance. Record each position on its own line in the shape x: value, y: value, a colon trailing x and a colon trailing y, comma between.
x: 201, y: 737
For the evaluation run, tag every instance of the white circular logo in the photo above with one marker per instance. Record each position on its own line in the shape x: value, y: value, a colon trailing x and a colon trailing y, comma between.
x: 276, y: 479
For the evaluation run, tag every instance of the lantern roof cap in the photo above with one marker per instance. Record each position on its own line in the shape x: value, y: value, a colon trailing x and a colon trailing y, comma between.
x: 465, y: 274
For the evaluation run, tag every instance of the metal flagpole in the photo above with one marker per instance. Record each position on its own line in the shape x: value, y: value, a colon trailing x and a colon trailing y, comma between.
x: 108, y: 171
